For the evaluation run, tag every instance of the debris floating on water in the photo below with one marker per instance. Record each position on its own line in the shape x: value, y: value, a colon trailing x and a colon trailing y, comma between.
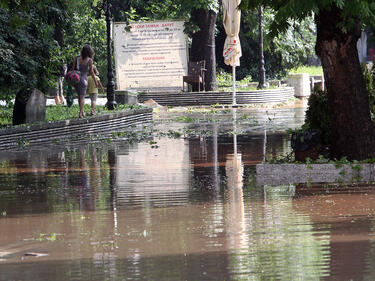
x: 32, y: 254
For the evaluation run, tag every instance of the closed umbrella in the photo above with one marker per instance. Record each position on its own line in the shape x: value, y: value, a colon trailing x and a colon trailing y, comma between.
x: 232, y: 47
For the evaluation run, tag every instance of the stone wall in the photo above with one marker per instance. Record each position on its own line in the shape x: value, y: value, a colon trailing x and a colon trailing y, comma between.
x: 211, y: 98
x: 75, y: 128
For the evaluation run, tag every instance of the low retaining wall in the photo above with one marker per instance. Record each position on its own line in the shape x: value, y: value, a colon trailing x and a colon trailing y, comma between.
x: 282, y: 174
x: 211, y: 98
x: 301, y: 83
x: 55, y: 131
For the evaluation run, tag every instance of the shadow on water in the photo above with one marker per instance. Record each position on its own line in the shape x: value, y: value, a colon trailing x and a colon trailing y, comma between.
x: 177, y: 209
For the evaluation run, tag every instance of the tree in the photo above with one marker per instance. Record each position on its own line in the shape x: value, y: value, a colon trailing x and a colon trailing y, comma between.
x: 87, y: 27
x: 281, y: 53
x: 338, y: 29
x: 30, y: 45
x: 29, y: 53
x: 204, y: 15
x: 203, y: 44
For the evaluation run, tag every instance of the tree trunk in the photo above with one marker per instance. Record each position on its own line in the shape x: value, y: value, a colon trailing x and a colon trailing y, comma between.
x: 203, y: 44
x: 352, y: 131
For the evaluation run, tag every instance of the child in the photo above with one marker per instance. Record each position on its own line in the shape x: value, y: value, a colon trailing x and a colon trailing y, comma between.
x: 57, y: 91
x: 93, y: 90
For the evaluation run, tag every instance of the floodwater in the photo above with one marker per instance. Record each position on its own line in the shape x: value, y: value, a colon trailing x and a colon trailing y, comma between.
x: 179, y: 208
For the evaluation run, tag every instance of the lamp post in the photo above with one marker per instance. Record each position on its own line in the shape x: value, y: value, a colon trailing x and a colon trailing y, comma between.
x: 262, y: 70
x: 111, y: 103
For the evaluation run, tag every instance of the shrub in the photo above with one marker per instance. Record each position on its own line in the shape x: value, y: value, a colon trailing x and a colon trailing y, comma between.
x: 317, y: 115
x: 223, y: 79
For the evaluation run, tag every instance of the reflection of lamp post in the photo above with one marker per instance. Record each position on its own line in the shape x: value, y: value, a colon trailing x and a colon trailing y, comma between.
x: 233, y: 165
x: 111, y: 103
x: 262, y: 70
x: 112, y: 187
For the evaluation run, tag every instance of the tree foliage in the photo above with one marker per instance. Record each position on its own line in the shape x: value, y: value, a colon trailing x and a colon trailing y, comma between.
x: 295, y: 45
x: 87, y: 26
x: 281, y: 53
x: 28, y: 51
x: 287, y: 11
x: 30, y: 56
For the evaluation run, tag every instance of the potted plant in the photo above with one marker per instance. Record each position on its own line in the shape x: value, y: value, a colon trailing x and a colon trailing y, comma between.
x: 305, y: 144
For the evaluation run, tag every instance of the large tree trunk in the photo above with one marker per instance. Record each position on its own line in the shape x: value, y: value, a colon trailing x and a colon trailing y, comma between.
x: 203, y: 44
x: 352, y: 131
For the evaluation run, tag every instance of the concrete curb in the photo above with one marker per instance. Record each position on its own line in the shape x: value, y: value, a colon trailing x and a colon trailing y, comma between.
x: 54, y: 131
x: 281, y: 174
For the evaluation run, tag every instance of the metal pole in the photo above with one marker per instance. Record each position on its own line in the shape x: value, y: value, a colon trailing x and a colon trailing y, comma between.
x: 111, y: 103
x: 265, y: 143
x: 216, y: 161
x: 234, y: 103
x: 235, y: 133
x: 262, y: 70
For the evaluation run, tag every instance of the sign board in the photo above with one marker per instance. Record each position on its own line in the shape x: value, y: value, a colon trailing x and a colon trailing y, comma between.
x: 151, y: 56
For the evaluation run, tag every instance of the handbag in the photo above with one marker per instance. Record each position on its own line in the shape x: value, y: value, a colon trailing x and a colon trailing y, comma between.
x: 73, y: 77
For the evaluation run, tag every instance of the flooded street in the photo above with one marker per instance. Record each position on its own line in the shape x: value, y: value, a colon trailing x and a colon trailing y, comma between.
x: 182, y: 205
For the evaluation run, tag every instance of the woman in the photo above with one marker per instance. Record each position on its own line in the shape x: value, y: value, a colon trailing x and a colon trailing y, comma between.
x: 84, y: 64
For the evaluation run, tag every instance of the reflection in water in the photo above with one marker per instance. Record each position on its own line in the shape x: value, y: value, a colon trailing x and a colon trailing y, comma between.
x: 235, y: 218
x: 238, y: 240
x: 348, y: 214
x: 187, y: 210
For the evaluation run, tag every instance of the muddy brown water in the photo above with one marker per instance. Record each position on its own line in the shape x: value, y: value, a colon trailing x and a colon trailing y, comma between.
x: 178, y: 209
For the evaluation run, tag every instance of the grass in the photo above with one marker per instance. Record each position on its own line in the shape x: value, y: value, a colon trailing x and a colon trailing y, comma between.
x: 5, y: 116
x: 312, y: 70
x: 59, y: 112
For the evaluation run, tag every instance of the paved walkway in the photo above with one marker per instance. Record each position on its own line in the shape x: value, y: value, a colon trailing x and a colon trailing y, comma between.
x: 99, y: 101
